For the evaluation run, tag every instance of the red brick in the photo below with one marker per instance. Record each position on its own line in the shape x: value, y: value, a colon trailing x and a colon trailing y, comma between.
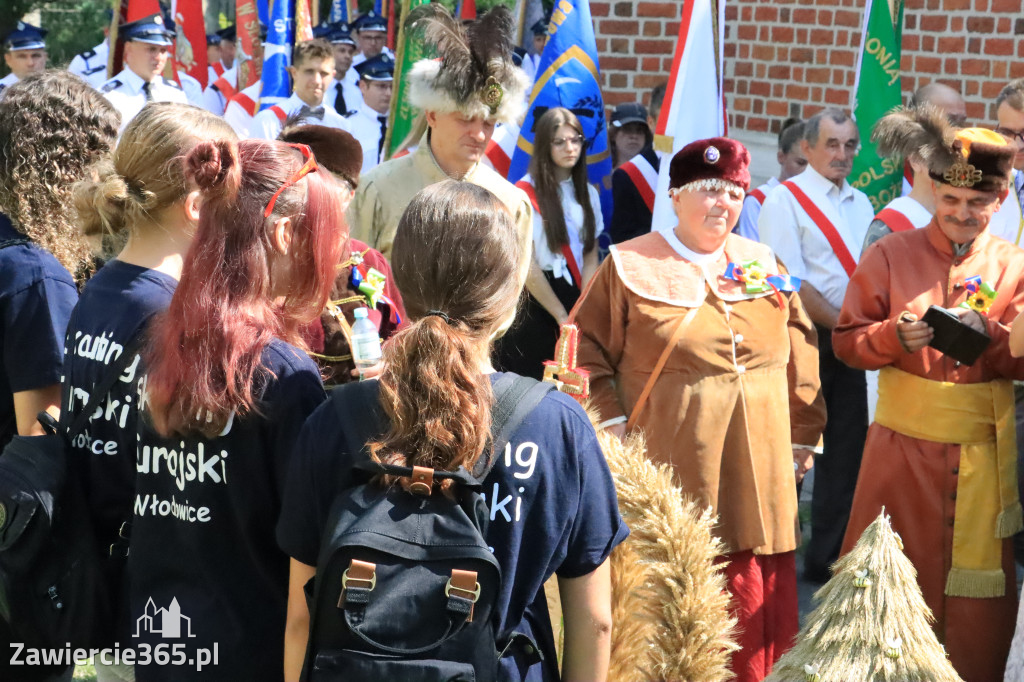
x: 776, y: 108
x: 741, y: 104
x: 648, y: 46
x: 759, y: 87
x: 837, y: 96
x: 618, y: 63
x: 652, y: 29
x: 843, y: 38
x: 760, y: 70
x: 936, y: 23
x: 843, y: 58
x: 906, y: 64
x: 1003, y: 24
x: 621, y: 45
x: 999, y: 69
x: 672, y: 28
x: 975, y: 67
x: 927, y: 64
x: 951, y: 66
x: 914, y: 5
x: 824, y: 17
x: 801, y: 36
x: 990, y: 89
x: 758, y: 125
x: 1005, y: 6
x: 976, y: 111
x: 953, y: 5
x: 911, y: 43
x: 950, y: 44
x: 782, y: 34
x: 731, y: 13
x: 981, y: 24
x: 971, y: 87
x: 797, y: 92
x: 602, y: 45
x: 822, y: 36
x: 599, y: 9
x: 956, y: 24
x: 784, y: 13
x: 740, y: 122
x: 928, y: 43
x: 648, y: 64
x: 758, y: 106
x: 974, y: 45
x: 646, y: 81
x: 782, y: 54
x: 623, y: 9
x: 998, y: 47
x: 779, y: 72
x: 1016, y: 69
x: 804, y: 16
x: 819, y: 75
x: 666, y: 62
x: 821, y: 55
x: 798, y: 74
x: 618, y: 27
x: 847, y: 18
x: 763, y: 53
x: 850, y: 78
x: 741, y: 86
x: 910, y: 21
x: 764, y: 34
x: 764, y: 13
x: 777, y: 90
x: 668, y: 10
x: 748, y: 12
x: 618, y: 80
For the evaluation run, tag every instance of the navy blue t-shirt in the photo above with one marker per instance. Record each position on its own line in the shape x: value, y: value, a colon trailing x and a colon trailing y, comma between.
x: 204, y: 567
x: 113, y: 311
x: 552, y: 501
x: 36, y: 297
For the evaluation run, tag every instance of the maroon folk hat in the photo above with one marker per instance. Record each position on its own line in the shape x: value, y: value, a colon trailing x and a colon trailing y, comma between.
x: 717, y: 158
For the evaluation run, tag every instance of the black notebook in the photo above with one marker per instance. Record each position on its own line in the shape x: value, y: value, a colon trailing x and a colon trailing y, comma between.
x: 953, y: 337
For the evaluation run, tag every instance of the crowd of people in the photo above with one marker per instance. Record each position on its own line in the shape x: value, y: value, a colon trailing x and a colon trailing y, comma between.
x: 225, y: 252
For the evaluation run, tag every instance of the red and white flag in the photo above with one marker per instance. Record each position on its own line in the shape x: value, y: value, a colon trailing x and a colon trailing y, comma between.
x: 190, y: 42
x: 498, y: 154
x: 696, y: 77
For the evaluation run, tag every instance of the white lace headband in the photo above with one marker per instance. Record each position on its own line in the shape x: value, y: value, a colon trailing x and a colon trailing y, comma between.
x: 706, y: 184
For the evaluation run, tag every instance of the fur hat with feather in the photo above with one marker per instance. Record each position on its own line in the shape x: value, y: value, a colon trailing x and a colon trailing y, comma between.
x: 474, y: 73
x: 922, y: 131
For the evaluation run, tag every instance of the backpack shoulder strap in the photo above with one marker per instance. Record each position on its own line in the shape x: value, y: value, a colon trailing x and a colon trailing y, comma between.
x: 516, y: 398
x: 13, y: 242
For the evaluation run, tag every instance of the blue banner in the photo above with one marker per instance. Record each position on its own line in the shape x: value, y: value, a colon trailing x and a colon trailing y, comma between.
x: 277, y: 54
x: 339, y: 12
x: 263, y: 9
x: 379, y: 7
x: 568, y: 76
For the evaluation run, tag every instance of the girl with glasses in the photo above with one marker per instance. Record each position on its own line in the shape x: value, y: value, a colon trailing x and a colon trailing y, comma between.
x: 566, y: 222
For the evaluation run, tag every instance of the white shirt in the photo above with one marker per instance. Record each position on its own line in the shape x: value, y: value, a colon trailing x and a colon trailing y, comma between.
x: 689, y: 254
x: 266, y: 124
x: 214, y: 100
x: 6, y: 82
x: 747, y: 224
x: 192, y: 88
x: 211, y: 73
x: 1008, y: 220
x: 91, y: 66
x: 237, y: 116
x: 800, y: 243
x: 918, y: 215
x: 573, y: 212
x: 350, y: 88
x: 530, y: 64
x: 364, y: 124
x: 124, y: 91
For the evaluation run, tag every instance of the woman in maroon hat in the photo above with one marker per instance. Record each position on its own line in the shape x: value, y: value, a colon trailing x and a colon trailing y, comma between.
x: 697, y: 337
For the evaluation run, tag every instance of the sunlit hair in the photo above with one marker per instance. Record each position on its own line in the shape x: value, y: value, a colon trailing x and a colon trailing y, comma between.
x: 456, y: 251
x: 545, y: 182
x: 317, y: 49
x: 53, y: 129
x: 145, y: 175
x: 204, y: 352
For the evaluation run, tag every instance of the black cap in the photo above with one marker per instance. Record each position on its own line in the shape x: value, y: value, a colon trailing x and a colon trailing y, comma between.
x: 151, y: 30
x: 212, y: 39
x: 630, y: 112
x: 229, y: 34
x: 540, y: 28
x: 340, y: 34
x: 379, y: 68
x: 25, y: 37
x: 371, y: 21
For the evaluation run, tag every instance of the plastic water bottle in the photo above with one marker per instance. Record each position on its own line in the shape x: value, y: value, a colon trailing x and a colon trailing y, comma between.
x: 365, y: 341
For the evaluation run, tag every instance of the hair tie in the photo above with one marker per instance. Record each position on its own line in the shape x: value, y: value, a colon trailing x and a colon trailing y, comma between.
x: 439, y: 313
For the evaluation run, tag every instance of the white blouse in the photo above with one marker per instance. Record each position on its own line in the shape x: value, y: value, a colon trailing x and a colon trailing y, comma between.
x: 555, y: 262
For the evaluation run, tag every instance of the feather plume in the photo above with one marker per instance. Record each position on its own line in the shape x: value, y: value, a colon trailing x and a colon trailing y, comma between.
x: 922, y: 131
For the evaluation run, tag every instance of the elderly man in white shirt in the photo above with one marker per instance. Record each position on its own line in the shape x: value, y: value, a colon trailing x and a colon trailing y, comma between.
x: 816, y: 223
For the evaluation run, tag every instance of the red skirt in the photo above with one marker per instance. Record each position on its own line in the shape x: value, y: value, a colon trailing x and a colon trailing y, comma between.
x: 764, y: 601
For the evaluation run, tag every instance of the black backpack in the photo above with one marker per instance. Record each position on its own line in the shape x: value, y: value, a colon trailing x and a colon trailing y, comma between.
x: 406, y: 585
x: 53, y: 577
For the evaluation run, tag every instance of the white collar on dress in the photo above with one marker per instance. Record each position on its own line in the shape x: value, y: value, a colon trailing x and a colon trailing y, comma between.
x: 689, y: 254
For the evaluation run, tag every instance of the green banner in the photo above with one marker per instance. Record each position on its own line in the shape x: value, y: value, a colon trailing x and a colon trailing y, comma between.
x: 409, y: 49
x: 878, y: 91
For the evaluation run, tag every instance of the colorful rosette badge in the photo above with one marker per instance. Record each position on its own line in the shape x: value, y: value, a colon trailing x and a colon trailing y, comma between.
x: 980, y: 295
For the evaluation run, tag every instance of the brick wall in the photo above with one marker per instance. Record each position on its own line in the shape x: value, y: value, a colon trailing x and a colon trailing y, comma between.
x: 791, y: 57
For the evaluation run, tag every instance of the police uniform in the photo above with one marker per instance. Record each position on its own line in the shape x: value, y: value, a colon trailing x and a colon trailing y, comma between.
x: 91, y: 66
x: 343, y: 93
x: 371, y: 21
x: 267, y: 124
x: 531, y: 62
x: 217, y: 69
x: 128, y: 91
x: 366, y: 125
x: 23, y: 37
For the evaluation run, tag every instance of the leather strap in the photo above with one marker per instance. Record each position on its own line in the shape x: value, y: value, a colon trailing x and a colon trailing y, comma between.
x: 894, y: 220
x: 570, y: 259
x: 758, y: 196
x: 677, y: 334
x: 422, y: 481
x: 826, y: 227
x: 465, y: 585
x: 357, y: 582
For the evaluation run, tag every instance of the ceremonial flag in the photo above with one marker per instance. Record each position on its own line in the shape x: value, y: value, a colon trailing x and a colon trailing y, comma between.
x: 190, y: 42
x: 277, y: 54
x: 465, y: 10
x: 409, y: 51
x: 303, y: 21
x: 248, y: 14
x: 128, y: 10
x: 501, y: 147
x: 568, y: 76
x: 876, y: 92
x: 693, y: 108
x: 527, y: 13
x: 341, y: 10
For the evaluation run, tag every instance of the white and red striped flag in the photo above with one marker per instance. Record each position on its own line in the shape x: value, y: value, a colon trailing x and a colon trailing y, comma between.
x: 696, y: 78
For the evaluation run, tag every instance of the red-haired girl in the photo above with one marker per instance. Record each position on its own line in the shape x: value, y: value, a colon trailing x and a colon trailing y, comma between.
x: 226, y: 392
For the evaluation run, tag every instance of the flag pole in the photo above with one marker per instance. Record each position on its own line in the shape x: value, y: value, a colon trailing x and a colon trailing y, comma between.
x: 399, y: 69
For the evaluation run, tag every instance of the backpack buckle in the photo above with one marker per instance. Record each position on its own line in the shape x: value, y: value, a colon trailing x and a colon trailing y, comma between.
x: 360, y: 572
x: 422, y: 481
x: 464, y: 583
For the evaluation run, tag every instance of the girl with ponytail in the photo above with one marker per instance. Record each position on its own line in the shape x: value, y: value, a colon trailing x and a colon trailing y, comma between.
x: 227, y: 388
x: 142, y: 200
x: 553, y: 504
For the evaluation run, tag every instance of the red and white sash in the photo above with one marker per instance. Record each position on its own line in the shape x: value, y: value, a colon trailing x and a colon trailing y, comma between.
x: 279, y: 112
x: 218, y: 69
x: 895, y: 220
x: 570, y: 259
x: 225, y: 88
x: 247, y: 103
x: 644, y: 177
x: 758, y: 196
x: 826, y: 227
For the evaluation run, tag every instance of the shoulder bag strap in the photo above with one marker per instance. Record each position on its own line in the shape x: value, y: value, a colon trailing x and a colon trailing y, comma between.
x: 102, y: 387
x: 826, y: 227
x: 677, y: 334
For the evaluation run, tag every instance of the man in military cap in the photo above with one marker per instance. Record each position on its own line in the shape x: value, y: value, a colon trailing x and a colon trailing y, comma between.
x: 227, y: 43
x: 146, y: 49
x: 343, y: 94
x: 463, y: 96
x: 940, y: 456
x: 223, y: 87
x: 531, y: 61
x: 24, y: 53
x: 371, y: 31
x: 369, y: 123
x: 91, y: 65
